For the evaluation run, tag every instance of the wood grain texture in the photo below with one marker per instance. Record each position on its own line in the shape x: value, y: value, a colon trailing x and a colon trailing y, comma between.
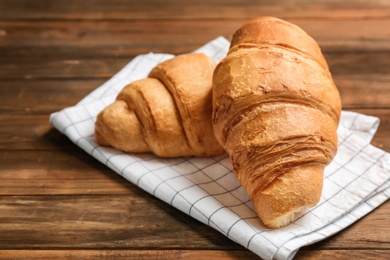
x: 186, y: 254
x: 201, y: 9
x: 56, y: 201
x: 110, y: 221
x: 143, y: 222
x: 25, y: 97
x: 351, y: 34
x: 63, y: 171
x: 129, y: 254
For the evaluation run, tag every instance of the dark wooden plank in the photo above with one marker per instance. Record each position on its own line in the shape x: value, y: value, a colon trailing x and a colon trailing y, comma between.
x: 128, y: 254
x: 43, y: 65
x: 366, y: 254
x: 175, y: 254
x: 34, y: 132
x: 128, y: 222
x: 66, y: 171
x: 364, y: 90
x: 200, y: 9
x: 351, y: 34
x: 42, y: 96
x: 53, y: 67
x: 111, y: 222
x: 365, y: 65
x: 117, y: 32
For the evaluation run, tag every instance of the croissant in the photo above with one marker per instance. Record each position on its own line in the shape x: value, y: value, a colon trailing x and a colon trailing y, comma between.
x: 276, y: 112
x: 167, y: 113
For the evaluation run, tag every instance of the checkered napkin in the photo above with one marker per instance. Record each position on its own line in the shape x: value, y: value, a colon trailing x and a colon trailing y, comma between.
x: 356, y: 182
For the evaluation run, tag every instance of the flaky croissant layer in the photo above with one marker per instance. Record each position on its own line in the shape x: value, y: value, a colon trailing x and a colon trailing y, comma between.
x: 167, y: 113
x: 276, y: 112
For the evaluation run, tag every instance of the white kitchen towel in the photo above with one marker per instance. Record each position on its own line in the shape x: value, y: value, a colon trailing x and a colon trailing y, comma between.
x: 356, y: 182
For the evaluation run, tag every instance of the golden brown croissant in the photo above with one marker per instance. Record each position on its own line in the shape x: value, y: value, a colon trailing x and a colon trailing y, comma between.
x: 276, y: 112
x: 167, y: 113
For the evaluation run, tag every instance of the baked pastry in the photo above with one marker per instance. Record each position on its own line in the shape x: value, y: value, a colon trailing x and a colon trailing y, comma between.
x: 276, y: 112
x: 167, y: 113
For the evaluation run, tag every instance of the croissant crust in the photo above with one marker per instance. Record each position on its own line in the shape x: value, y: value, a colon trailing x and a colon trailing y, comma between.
x: 276, y: 112
x: 167, y: 113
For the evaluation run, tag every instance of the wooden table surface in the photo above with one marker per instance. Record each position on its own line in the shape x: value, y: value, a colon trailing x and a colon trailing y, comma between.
x: 56, y: 201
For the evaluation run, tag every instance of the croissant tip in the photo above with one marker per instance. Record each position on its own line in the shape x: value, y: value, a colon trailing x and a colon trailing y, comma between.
x: 290, y: 195
x: 287, y: 218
